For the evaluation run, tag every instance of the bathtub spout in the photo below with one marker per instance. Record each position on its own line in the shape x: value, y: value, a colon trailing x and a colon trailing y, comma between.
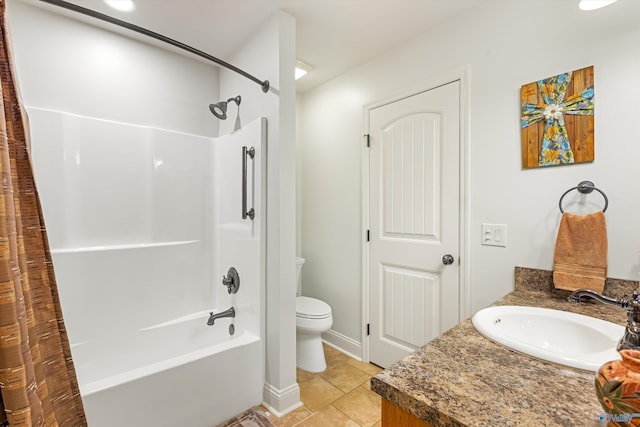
x: 227, y: 313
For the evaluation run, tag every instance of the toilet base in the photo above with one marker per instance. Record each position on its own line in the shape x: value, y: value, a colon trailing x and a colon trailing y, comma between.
x: 309, y: 352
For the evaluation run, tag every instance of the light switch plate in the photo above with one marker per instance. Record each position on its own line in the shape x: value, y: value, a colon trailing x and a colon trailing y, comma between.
x: 494, y: 235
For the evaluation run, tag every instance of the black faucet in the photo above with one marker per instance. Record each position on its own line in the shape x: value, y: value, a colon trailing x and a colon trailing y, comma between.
x: 631, y: 337
x: 227, y: 313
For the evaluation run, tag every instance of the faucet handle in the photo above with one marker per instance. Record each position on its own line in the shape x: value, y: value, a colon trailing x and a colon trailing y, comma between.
x: 231, y: 280
x: 581, y: 295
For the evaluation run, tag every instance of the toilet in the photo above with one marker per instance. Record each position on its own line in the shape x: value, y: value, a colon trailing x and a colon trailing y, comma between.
x: 313, y: 317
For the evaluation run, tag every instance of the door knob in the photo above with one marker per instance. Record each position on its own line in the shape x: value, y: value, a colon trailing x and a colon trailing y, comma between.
x: 447, y: 259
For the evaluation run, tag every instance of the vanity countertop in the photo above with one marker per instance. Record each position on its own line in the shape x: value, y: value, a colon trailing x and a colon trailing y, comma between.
x: 463, y: 379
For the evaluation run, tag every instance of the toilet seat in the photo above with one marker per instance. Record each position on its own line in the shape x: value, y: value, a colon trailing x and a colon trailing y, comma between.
x: 311, y: 308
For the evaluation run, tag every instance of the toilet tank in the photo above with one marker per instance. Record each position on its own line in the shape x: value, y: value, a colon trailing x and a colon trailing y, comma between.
x: 299, y: 262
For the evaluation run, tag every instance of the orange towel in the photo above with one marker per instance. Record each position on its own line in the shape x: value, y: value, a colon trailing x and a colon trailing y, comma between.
x: 580, y: 259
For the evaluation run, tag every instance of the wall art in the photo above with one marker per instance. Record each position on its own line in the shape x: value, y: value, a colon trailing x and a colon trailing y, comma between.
x: 557, y: 120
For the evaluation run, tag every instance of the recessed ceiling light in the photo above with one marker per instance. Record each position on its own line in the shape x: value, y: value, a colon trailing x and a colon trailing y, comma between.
x: 121, y: 5
x: 302, y: 68
x: 594, y: 4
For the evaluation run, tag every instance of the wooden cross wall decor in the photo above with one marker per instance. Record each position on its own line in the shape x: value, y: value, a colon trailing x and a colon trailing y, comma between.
x: 557, y: 117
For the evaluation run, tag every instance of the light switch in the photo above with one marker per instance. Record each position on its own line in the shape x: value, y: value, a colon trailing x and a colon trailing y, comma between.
x: 494, y: 235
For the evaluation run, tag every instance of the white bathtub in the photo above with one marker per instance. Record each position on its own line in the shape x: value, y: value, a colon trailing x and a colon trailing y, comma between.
x: 183, y: 373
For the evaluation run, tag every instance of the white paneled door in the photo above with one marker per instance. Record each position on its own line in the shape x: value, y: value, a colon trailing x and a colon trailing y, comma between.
x: 414, y: 216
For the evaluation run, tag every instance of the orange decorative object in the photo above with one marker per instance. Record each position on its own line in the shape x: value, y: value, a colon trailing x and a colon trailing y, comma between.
x: 618, y: 389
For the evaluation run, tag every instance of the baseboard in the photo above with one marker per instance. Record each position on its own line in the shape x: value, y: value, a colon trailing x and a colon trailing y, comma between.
x: 343, y: 343
x: 281, y: 402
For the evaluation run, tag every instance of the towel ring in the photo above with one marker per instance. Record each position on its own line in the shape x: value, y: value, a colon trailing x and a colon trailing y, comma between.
x: 585, y: 187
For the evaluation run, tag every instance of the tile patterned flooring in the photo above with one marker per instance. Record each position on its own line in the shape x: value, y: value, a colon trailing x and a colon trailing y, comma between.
x: 339, y: 396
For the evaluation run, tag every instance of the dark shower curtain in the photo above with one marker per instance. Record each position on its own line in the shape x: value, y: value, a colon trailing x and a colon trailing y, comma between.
x: 37, y: 379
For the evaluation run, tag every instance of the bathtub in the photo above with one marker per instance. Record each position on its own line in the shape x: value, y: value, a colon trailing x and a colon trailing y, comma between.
x: 139, y: 360
x: 180, y: 373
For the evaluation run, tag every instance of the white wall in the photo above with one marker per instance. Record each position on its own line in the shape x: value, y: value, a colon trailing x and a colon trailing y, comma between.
x: 270, y: 54
x: 67, y: 65
x: 506, y: 44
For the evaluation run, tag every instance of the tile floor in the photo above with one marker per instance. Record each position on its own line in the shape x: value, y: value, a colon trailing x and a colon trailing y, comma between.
x: 339, y: 396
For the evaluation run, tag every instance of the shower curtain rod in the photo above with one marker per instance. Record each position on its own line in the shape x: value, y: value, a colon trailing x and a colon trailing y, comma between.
x: 92, y: 13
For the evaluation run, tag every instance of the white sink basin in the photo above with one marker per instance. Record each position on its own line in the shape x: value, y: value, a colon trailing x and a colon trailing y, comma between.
x: 569, y: 339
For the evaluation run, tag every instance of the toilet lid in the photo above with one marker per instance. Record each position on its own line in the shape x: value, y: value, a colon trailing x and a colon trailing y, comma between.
x: 311, y: 308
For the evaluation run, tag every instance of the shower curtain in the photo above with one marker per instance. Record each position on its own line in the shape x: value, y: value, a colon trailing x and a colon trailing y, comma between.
x: 37, y: 379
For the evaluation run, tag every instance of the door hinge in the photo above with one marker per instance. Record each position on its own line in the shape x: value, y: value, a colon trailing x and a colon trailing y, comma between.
x: 368, y: 140
x: 368, y: 329
x: 368, y: 237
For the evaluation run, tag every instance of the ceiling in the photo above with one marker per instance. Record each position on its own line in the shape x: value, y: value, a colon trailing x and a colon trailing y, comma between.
x: 333, y: 36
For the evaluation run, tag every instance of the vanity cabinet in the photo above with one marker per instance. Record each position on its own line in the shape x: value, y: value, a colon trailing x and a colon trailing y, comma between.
x: 395, y: 416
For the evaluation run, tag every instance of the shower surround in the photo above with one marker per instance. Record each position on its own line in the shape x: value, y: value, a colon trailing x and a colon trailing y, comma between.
x: 143, y: 223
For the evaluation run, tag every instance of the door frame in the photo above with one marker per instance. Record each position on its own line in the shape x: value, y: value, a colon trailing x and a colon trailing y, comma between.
x: 461, y: 75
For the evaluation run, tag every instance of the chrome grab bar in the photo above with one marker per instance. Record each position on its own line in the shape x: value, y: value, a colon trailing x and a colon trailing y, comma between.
x: 251, y: 153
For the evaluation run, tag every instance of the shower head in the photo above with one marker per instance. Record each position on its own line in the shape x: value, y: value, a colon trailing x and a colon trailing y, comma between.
x: 220, y: 109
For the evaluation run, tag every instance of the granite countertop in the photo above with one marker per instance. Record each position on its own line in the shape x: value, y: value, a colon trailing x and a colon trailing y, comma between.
x: 463, y: 379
